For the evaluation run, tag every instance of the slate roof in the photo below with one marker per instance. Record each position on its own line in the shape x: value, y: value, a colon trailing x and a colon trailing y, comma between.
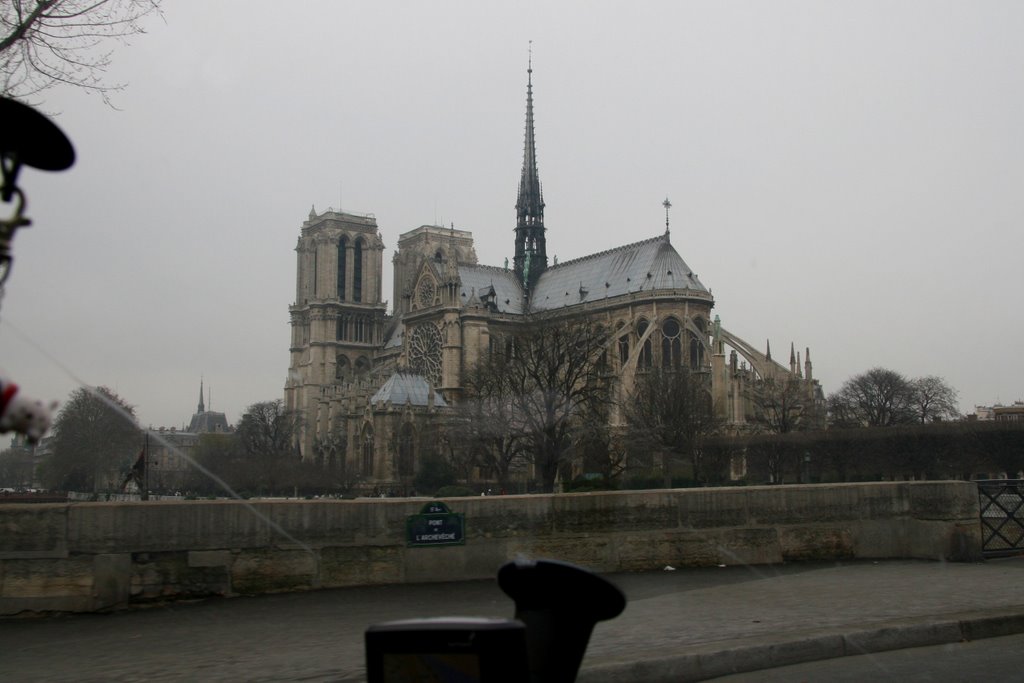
x: 397, y: 337
x: 642, y: 266
x: 402, y: 387
x: 208, y: 422
x: 477, y: 282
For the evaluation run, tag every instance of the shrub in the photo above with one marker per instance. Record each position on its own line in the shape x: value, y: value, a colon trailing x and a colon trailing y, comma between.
x: 454, y: 491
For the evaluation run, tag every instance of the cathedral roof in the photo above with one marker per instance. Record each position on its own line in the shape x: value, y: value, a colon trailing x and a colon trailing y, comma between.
x: 208, y: 422
x: 507, y: 291
x: 652, y: 264
x: 404, y: 387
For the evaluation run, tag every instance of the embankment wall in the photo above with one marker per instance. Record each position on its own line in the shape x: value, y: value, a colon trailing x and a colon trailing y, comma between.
x: 82, y: 557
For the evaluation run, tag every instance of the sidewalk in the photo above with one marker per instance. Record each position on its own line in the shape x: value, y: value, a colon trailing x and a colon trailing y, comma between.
x: 689, y: 624
x: 805, y: 613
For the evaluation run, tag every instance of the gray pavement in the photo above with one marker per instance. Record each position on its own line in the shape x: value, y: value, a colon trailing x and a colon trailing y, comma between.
x: 689, y: 624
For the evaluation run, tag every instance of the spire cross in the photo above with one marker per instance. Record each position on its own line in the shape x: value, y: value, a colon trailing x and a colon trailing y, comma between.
x: 668, y: 205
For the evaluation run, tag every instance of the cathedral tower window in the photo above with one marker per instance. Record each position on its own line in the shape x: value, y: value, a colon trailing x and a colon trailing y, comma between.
x: 357, y: 272
x: 341, y: 367
x: 342, y: 247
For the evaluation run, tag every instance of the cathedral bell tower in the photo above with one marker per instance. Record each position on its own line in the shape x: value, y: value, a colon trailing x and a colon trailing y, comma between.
x: 338, y: 317
x: 531, y: 257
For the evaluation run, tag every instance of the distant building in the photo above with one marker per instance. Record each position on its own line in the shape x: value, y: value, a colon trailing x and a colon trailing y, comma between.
x: 165, y: 458
x: 982, y: 414
x: 169, y: 450
x: 999, y: 413
x: 19, y: 462
x: 1014, y: 413
x: 207, y: 421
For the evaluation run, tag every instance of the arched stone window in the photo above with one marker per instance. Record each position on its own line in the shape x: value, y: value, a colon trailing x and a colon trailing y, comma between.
x: 367, y: 445
x: 342, y: 247
x: 362, y: 365
x: 315, y: 270
x: 405, y: 451
x: 624, y: 349
x: 645, y: 359
x: 357, y: 271
x: 671, y: 343
x: 341, y: 367
x: 696, y: 354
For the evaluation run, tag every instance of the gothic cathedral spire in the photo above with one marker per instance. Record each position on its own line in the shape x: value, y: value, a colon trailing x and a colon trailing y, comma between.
x: 531, y: 258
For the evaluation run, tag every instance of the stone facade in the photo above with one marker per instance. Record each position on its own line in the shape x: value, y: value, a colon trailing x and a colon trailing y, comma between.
x: 449, y: 311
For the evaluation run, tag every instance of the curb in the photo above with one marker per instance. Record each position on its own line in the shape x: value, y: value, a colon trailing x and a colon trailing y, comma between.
x: 713, y: 661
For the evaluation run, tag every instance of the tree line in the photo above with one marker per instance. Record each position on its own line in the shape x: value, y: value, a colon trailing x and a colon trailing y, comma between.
x: 95, y: 446
x: 545, y: 400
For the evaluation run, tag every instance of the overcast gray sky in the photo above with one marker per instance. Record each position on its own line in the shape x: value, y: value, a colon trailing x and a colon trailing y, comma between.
x: 846, y: 176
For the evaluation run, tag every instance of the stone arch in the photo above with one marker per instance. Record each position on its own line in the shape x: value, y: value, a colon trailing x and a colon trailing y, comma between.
x: 342, y: 368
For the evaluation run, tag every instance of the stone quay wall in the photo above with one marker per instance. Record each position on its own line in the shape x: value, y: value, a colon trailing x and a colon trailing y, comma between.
x: 83, y: 557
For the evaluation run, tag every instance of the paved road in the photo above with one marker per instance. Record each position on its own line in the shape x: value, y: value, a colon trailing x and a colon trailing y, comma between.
x: 676, y: 622
x: 994, y: 660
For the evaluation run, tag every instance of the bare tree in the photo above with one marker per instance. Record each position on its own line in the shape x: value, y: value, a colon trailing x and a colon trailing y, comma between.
x: 267, y: 434
x: 876, y: 398
x: 544, y: 375
x: 488, y: 424
x: 671, y: 412
x: 49, y: 42
x: 781, y: 404
x: 934, y: 400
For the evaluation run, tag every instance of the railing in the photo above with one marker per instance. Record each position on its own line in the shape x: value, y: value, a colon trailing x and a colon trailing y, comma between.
x: 1002, y: 516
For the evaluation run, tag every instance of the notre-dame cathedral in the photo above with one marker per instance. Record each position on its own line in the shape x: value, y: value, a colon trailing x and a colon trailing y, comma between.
x: 375, y: 386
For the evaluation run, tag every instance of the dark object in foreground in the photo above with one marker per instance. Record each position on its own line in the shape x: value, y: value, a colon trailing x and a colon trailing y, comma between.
x: 559, y: 603
x: 557, y: 606
x: 446, y: 649
x: 27, y: 138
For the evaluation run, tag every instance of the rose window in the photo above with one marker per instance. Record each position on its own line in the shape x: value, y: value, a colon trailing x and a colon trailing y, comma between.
x: 425, y: 352
x: 426, y: 291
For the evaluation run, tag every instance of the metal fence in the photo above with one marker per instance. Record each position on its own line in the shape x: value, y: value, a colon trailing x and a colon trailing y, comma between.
x: 1002, y: 516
